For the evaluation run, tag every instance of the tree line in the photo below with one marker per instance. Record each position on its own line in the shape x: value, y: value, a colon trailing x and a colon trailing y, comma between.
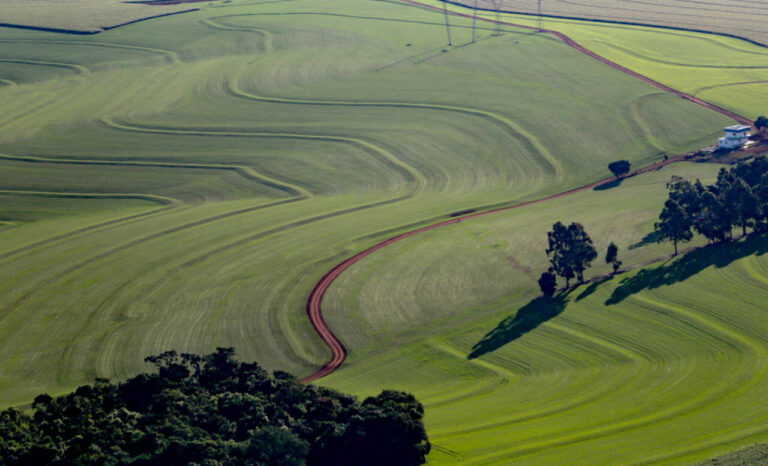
x: 214, y: 410
x: 739, y: 198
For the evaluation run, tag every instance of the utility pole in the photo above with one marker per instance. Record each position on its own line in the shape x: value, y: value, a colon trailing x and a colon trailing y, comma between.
x: 474, y: 22
x: 540, y: 22
x: 498, y: 30
x: 447, y: 23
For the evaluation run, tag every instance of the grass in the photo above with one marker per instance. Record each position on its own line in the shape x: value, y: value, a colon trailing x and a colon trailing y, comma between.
x: 183, y: 183
x: 78, y: 15
x: 663, y: 364
x: 743, y: 19
x: 728, y: 72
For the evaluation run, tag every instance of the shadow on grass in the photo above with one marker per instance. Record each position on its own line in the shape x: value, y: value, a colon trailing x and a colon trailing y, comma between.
x: 652, y: 237
x: 526, y: 319
x: 592, y: 287
x: 609, y: 185
x: 673, y: 271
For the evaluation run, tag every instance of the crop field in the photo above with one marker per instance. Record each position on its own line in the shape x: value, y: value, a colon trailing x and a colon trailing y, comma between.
x: 664, y: 364
x: 79, y: 15
x: 183, y: 183
x: 730, y: 73
x: 740, y: 18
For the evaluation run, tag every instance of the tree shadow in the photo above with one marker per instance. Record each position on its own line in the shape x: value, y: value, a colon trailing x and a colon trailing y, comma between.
x: 673, y: 271
x: 652, y: 237
x: 526, y: 319
x: 593, y: 286
x: 609, y: 185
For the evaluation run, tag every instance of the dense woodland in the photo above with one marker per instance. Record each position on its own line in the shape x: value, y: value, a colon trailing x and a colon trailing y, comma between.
x: 214, y: 410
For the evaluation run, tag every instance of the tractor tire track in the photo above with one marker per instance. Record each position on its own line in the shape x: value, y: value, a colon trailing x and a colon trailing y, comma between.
x: 172, y: 57
x: 409, y: 173
x: 77, y: 69
x: 244, y: 171
x: 525, y: 138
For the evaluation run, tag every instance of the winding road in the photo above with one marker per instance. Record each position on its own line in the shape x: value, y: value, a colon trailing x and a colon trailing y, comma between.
x: 314, y: 309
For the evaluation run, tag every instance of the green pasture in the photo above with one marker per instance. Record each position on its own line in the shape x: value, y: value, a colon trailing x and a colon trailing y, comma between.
x: 739, y: 18
x: 662, y: 364
x: 183, y: 183
x: 727, y: 72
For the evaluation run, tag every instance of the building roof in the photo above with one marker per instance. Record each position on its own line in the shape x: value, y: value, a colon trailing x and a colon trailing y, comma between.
x: 738, y: 128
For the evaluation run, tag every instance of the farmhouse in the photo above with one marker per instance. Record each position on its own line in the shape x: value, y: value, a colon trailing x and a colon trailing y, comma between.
x: 735, y: 137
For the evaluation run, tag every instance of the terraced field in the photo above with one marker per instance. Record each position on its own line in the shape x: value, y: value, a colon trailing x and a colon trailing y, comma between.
x: 183, y: 183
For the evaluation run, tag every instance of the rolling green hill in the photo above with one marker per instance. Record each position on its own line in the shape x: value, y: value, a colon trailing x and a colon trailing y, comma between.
x: 183, y: 183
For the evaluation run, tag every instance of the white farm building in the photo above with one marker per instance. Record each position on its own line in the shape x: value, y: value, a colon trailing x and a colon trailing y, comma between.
x: 735, y: 136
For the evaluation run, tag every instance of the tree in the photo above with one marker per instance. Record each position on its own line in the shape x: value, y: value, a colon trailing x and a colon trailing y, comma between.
x: 619, y: 168
x: 686, y: 194
x: 214, y: 410
x: 548, y: 283
x: 612, y: 257
x: 558, y: 252
x: 570, y: 251
x: 744, y: 205
x: 713, y: 221
x: 761, y: 123
x: 674, y: 224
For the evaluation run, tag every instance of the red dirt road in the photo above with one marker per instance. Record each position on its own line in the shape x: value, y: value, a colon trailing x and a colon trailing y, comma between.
x: 316, y: 297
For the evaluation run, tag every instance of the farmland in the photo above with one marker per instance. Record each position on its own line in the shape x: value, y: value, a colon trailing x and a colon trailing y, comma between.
x: 79, y: 15
x: 183, y: 183
x: 739, y: 18
x: 670, y: 357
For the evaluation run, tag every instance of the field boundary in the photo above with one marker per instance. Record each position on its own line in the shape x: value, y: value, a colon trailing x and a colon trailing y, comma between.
x: 90, y: 32
x: 612, y: 21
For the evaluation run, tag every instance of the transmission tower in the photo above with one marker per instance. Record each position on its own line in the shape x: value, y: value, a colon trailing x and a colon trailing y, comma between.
x: 498, y: 29
x: 447, y: 23
x: 540, y: 21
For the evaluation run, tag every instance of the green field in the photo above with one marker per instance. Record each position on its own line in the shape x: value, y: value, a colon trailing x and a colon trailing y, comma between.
x: 740, y: 18
x: 79, y: 15
x: 183, y: 183
x: 727, y: 72
x: 664, y: 364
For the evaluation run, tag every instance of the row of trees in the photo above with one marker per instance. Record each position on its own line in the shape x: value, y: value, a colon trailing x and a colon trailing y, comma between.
x: 214, y: 410
x: 739, y: 198
x: 571, y: 251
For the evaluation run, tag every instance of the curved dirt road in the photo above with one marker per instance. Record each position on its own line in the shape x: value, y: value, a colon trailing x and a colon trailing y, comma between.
x: 316, y: 297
